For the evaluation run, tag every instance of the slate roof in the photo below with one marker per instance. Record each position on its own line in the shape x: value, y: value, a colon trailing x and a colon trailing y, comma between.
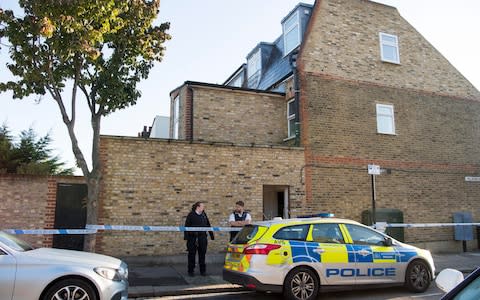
x: 275, y: 66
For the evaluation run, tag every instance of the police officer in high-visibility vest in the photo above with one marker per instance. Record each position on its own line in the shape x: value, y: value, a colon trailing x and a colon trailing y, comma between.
x: 239, y: 218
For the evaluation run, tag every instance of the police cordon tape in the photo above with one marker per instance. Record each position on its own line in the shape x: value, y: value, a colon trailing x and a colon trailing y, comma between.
x: 160, y: 228
x: 381, y: 226
x: 92, y: 229
x: 50, y: 231
x: 427, y: 225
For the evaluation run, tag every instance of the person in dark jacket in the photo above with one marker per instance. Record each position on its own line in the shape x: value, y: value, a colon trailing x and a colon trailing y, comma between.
x: 197, y: 240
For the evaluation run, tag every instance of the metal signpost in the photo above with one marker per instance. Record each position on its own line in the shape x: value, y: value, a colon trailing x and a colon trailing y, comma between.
x: 373, y: 170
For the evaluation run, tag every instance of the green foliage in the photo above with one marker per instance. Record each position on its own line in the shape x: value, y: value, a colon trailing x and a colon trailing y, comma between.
x: 105, y: 46
x: 31, y: 155
x: 7, y: 161
x: 102, y: 47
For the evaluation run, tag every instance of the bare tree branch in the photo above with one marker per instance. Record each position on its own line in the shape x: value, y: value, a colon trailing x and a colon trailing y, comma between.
x: 74, y: 89
x: 87, y: 95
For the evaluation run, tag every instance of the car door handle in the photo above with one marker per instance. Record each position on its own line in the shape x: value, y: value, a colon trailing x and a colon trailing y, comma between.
x: 364, y: 252
x: 319, y: 250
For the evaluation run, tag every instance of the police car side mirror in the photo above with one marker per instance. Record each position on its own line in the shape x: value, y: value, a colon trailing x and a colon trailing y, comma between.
x: 388, y: 242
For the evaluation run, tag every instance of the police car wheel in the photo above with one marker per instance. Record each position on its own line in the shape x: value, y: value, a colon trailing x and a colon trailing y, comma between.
x: 417, y: 277
x: 301, y: 284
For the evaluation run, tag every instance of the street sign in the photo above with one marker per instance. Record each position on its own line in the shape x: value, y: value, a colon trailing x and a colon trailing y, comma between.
x: 373, y: 170
x: 469, y: 178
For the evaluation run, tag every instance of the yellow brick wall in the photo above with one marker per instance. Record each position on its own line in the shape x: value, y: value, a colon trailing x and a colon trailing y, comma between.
x: 225, y: 115
x: 155, y: 182
x: 344, y: 42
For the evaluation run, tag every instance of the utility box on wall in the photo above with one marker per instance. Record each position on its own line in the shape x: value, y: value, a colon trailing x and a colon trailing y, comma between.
x: 389, y: 215
x: 463, y: 233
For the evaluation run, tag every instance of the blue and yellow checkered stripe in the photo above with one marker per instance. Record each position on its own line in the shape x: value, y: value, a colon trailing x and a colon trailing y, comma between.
x: 346, y: 253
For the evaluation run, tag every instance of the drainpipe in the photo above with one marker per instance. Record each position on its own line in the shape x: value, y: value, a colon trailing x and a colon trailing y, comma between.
x: 296, y: 90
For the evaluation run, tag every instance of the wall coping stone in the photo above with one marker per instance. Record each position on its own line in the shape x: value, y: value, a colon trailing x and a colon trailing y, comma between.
x: 211, y: 143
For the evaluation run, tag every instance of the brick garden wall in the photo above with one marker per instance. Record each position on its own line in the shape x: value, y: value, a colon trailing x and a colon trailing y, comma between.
x: 28, y: 202
x: 155, y: 182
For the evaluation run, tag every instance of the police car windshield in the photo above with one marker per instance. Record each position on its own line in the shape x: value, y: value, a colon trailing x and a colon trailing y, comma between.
x: 246, y: 235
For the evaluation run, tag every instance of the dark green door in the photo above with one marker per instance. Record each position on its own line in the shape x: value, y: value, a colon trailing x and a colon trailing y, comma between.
x: 70, y: 213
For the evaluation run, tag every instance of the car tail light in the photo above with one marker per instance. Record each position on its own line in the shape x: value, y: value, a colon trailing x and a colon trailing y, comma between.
x: 263, y: 249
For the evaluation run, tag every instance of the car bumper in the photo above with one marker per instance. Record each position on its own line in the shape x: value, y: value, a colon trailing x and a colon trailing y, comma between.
x: 117, y: 290
x: 250, y: 282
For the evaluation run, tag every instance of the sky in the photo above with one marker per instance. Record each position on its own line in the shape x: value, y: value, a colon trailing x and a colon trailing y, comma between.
x: 210, y: 40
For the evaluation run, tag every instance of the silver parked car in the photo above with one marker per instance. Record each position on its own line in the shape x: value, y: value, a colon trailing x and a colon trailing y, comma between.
x: 54, y: 274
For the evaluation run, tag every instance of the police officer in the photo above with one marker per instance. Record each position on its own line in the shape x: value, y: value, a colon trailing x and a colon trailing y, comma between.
x: 197, y: 240
x: 239, y: 218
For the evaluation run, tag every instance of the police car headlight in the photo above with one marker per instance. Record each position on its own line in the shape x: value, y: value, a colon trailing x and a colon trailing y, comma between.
x: 111, y: 274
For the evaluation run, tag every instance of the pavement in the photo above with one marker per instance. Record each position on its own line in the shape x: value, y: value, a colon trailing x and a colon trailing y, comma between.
x: 167, y: 275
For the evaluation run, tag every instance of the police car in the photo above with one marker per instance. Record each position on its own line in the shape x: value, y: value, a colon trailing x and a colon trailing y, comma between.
x: 301, y: 257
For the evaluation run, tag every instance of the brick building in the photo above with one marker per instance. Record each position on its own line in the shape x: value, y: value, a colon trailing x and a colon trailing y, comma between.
x: 347, y: 84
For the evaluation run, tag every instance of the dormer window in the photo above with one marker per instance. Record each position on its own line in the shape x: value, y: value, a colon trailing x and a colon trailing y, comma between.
x: 237, y: 82
x: 291, y: 33
x: 254, y: 63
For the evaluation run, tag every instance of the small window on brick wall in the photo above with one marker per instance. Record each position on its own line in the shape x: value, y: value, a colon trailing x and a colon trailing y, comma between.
x: 291, y: 118
x: 389, y: 48
x: 176, y: 117
x: 385, y: 119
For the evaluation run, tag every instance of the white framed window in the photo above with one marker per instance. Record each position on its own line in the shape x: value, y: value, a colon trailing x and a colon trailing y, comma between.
x: 291, y: 118
x: 389, y: 48
x: 176, y: 117
x: 291, y: 33
x: 385, y: 119
x: 254, y: 63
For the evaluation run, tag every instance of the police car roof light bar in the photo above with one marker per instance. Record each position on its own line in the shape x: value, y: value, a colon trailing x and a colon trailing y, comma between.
x: 319, y: 215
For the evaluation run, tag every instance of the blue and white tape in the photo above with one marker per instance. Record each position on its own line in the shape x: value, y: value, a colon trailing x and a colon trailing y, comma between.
x: 382, y: 226
x: 160, y: 228
x: 50, y: 231
x: 427, y: 225
x: 91, y: 229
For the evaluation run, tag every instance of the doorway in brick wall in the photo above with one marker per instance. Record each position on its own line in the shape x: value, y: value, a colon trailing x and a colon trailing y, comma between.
x: 275, y: 201
x: 70, y: 213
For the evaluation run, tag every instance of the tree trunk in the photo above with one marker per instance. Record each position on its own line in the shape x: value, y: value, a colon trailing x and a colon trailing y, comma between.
x: 93, y: 184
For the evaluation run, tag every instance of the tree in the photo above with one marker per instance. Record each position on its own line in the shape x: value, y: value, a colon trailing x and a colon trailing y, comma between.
x: 101, y: 48
x: 7, y: 161
x: 31, y: 155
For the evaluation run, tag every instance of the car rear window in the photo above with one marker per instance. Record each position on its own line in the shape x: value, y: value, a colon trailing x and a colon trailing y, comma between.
x: 249, y: 233
x: 296, y: 232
